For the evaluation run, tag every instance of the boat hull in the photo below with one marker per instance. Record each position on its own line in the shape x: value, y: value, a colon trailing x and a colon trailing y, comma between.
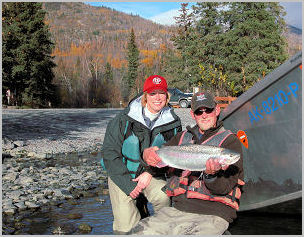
x: 270, y: 114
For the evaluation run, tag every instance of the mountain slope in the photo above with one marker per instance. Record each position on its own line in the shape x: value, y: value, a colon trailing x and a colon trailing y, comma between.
x: 79, y: 23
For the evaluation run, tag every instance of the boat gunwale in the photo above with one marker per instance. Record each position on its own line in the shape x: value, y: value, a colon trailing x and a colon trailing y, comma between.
x: 273, y: 201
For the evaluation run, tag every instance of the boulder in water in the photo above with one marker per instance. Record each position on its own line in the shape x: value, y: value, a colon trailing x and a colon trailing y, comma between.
x: 85, y: 228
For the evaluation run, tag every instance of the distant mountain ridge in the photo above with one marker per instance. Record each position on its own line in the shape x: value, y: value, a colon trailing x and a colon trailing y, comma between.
x: 294, y: 30
x: 294, y: 39
x: 79, y: 23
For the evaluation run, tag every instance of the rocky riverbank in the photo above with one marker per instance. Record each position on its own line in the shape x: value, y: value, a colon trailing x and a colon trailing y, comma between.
x: 50, y: 157
x: 31, y: 185
x: 47, y: 160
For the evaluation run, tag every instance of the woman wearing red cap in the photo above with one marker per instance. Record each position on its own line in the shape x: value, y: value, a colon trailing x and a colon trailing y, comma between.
x: 147, y: 121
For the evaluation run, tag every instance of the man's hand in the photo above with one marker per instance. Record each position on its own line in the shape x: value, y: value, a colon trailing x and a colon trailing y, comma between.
x: 213, y: 166
x: 150, y: 156
x: 143, y: 181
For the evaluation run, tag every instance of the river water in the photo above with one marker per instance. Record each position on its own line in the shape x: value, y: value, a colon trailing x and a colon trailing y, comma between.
x: 97, y: 212
x: 99, y: 216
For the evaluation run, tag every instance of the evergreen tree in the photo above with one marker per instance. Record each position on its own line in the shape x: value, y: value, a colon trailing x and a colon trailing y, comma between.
x: 253, y: 46
x: 209, y: 30
x: 173, y: 68
x: 27, y: 64
x: 178, y: 64
x: 242, y: 40
x: 133, y: 61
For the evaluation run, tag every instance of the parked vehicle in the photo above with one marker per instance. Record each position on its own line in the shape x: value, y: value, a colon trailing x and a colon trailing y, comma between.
x: 180, y: 98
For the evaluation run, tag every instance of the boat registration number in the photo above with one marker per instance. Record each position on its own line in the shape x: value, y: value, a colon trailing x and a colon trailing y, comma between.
x: 273, y: 103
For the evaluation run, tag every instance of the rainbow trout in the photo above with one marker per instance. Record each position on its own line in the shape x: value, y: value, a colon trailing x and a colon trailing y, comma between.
x: 193, y: 157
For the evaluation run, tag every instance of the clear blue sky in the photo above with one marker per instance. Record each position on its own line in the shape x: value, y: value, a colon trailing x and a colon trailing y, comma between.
x: 163, y: 12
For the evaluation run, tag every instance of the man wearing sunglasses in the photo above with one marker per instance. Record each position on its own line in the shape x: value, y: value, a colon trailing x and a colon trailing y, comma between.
x: 203, y: 202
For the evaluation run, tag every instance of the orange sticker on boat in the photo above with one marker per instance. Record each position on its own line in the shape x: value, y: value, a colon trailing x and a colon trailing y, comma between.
x: 243, y: 138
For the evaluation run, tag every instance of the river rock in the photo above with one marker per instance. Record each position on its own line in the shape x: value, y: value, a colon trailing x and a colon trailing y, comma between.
x: 37, y: 196
x: 76, y: 176
x: 31, y: 154
x: 21, y: 206
x: 15, y: 194
x: 64, y: 229
x: 105, y: 191
x: 31, y: 205
x: 10, y: 176
x: 7, y: 202
x: 19, y: 225
x: 74, y: 216
x: 9, y: 210
x: 19, y: 143
x: 65, y: 171
x: 72, y: 201
x: 24, y: 171
x: 7, y: 144
x: 91, y: 174
x: 16, y: 187
x: 23, y: 180
x: 48, y: 192
x: 85, y: 228
x: 61, y: 193
x: 42, y: 155
x: 43, y: 201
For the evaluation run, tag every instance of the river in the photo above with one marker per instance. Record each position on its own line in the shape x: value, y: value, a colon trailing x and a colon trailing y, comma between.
x: 99, y: 216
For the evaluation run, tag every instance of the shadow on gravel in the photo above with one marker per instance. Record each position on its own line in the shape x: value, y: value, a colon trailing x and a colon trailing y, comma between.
x: 52, y: 124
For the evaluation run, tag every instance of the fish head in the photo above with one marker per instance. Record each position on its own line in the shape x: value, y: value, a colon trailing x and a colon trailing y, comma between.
x: 229, y: 157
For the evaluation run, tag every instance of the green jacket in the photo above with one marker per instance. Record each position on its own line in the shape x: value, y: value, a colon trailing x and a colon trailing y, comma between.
x: 167, y: 123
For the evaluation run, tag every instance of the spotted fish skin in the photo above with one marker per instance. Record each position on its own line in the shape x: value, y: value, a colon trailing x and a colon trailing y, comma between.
x: 193, y: 157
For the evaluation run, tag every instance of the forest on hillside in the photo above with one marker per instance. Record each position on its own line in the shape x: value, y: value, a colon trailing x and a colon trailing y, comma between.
x: 95, y: 61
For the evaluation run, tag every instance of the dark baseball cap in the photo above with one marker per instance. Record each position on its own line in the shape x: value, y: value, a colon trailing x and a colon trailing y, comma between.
x: 202, y: 99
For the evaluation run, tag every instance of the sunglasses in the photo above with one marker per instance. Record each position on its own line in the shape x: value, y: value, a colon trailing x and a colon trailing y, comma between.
x: 201, y: 111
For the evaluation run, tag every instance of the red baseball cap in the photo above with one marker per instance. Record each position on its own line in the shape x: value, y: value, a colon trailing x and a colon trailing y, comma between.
x: 155, y: 82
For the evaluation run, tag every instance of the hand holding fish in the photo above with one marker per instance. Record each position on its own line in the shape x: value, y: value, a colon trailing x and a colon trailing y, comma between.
x: 213, y: 166
x: 150, y: 156
x: 143, y: 181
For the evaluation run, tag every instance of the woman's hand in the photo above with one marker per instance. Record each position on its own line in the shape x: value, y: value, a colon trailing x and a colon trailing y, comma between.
x: 143, y: 181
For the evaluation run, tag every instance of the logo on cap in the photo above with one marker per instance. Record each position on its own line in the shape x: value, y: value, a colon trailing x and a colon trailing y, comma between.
x: 156, y: 80
x: 201, y: 97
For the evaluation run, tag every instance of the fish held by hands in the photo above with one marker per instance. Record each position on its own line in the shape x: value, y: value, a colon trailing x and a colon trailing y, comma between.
x: 193, y: 157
